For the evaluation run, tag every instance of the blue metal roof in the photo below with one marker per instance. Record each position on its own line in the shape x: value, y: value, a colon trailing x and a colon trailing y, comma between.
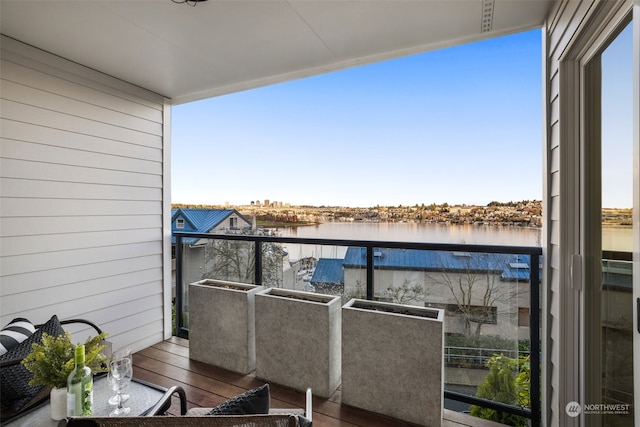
x: 411, y: 259
x: 200, y: 220
x: 510, y: 267
x: 328, y: 270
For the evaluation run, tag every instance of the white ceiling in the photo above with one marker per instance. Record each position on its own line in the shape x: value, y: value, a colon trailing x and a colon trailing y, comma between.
x: 222, y: 46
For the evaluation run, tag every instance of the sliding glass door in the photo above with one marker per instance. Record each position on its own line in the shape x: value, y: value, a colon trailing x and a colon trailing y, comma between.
x: 608, y: 208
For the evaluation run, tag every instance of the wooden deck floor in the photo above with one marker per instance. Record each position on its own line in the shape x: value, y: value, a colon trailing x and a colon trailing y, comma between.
x: 167, y: 364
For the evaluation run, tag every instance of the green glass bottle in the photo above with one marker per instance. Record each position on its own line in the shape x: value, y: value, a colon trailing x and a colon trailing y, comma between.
x: 80, y: 387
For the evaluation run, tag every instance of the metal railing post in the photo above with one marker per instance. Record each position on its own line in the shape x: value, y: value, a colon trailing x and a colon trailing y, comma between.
x: 534, y: 334
x: 370, y: 259
x: 258, y: 263
x: 178, y: 301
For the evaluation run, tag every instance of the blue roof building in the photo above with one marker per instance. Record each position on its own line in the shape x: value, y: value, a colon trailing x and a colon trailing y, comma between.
x: 328, y: 276
x: 510, y: 267
x: 206, y: 221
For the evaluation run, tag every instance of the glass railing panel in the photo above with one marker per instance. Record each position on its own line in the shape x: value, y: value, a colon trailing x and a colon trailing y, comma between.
x: 486, y: 298
x: 209, y: 258
x: 304, y: 267
x: 487, y: 323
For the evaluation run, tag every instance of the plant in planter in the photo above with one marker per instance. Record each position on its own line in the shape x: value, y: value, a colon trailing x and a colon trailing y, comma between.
x: 52, y: 360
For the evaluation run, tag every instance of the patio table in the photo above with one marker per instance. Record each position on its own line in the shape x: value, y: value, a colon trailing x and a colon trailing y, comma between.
x: 143, y: 396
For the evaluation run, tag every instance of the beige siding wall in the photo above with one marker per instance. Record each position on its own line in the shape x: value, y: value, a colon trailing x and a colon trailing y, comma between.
x: 81, y: 193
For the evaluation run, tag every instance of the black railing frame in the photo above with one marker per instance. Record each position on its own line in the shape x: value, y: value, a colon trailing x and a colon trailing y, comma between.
x: 535, y: 252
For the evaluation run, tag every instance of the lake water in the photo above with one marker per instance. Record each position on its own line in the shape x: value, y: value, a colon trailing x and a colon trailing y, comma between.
x: 416, y: 232
x: 406, y: 232
x: 614, y: 238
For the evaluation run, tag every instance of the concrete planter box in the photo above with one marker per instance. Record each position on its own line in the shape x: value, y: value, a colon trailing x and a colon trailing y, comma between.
x: 222, y: 324
x: 298, y: 340
x: 392, y: 360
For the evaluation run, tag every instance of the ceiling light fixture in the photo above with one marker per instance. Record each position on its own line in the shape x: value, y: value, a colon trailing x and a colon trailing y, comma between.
x: 191, y: 3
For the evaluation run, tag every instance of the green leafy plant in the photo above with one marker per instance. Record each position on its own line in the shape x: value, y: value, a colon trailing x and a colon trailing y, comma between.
x: 523, y: 381
x: 506, y: 382
x: 52, y: 360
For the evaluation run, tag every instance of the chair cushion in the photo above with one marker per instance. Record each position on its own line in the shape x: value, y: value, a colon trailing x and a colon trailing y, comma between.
x: 15, y: 390
x: 304, y: 422
x: 251, y: 402
x: 14, y: 333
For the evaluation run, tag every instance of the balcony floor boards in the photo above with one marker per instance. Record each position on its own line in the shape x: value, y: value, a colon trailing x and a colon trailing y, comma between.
x: 167, y: 363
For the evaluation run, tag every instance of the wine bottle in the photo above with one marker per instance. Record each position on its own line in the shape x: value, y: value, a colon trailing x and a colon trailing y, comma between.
x: 80, y: 387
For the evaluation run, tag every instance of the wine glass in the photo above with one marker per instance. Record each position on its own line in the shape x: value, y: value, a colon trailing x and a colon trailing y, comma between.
x: 121, y: 373
x: 117, y: 355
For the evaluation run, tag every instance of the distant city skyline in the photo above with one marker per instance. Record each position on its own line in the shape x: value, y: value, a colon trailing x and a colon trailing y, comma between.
x: 461, y: 125
x: 286, y: 204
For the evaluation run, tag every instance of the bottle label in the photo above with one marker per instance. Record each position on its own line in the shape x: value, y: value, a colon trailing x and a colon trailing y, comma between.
x: 71, y: 403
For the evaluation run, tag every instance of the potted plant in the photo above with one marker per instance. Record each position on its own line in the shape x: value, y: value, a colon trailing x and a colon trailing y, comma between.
x: 52, y: 360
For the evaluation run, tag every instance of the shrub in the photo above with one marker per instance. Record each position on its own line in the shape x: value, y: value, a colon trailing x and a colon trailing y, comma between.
x: 507, y: 382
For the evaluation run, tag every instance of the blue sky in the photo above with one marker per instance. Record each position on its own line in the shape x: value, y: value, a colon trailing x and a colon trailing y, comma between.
x: 458, y: 125
x: 617, y: 122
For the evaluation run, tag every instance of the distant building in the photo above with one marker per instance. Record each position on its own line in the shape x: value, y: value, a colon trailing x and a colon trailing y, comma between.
x: 201, y: 221
x: 206, y: 221
x: 489, y: 291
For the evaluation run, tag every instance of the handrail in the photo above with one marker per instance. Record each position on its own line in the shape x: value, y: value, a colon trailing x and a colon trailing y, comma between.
x: 535, y: 252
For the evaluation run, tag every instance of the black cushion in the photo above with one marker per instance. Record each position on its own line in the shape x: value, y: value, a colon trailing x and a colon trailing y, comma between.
x: 15, y: 390
x: 252, y: 402
x: 303, y: 422
x: 14, y: 333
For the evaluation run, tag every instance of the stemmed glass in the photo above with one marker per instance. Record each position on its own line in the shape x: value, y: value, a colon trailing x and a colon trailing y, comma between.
x: 117, y: 355
x: 120, y: 372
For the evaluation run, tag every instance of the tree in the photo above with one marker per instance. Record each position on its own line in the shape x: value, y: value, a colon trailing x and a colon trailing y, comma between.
x: 359, y: 292
x: 406, y: 293
x: 474, y: 285
x: 235, y: 261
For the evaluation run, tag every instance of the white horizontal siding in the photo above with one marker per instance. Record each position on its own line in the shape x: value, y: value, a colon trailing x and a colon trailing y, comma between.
x: 70, y: 140
x: 27, y: 113
x: 81, y: 197
x: 26, y: 188
x: 47, y: 207
x: 22, y: 226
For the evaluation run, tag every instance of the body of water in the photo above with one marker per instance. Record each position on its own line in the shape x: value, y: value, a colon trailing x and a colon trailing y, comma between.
x: 614, y: 238
x: 417, y: 232
x: 405, y: 232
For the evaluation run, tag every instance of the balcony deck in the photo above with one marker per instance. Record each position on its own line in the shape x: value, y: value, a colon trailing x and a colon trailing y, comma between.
x: 167, y: 364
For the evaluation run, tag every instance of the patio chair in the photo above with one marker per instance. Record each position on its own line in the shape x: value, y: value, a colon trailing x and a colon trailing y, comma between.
x: 11, y: 372
x: 200, y: 416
